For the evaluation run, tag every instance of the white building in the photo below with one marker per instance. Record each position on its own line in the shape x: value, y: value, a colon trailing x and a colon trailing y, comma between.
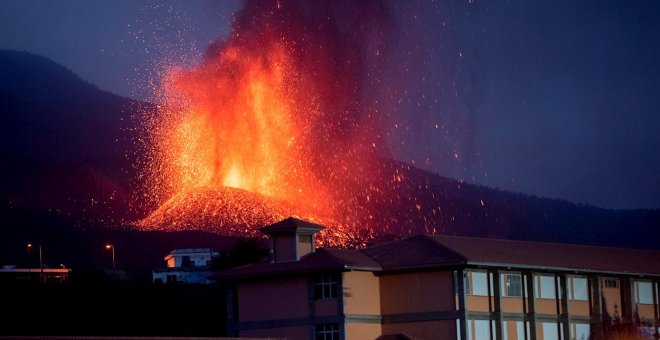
x: 190, y: 265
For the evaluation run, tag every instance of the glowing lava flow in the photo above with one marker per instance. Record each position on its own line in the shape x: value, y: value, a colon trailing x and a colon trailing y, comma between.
x: 277, y: 113
x: 235, y: 125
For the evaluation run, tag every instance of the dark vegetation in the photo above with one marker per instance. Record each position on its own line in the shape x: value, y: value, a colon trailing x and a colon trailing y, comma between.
x: 88, y: 305
x: 244, y: 251
x: 83, y: 247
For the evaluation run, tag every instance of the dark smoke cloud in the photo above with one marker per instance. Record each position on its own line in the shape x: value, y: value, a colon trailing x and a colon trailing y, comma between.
x: 339, y: 48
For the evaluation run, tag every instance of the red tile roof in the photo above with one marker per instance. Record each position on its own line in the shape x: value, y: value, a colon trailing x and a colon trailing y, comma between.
x: 442, y: 251
x: 413, y: 252
x: 290, y: 226
x: 552, y: 255
x: 322, y: 260
x: 424, y: 251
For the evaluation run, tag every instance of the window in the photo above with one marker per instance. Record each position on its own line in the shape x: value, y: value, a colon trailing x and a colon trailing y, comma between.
x: 481, y: 329
x: 325, y: 287
x: 644, y: 292
x: 519, y: 326
x: 550, y: 331
x: 581, y: 331
x: 466, y: 279
x: 580, y: 290
x: 304, y: 245
x: 327, y: 331
x: 513, y: 285
x: 305, y: 238
x: 547, y: 284
x: 479, y: 284
x: 610, y: 282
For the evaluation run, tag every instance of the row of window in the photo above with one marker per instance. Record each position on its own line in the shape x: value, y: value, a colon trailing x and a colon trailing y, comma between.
x: 513, y: 285
x: 515, y: 330
x: 547, y: 286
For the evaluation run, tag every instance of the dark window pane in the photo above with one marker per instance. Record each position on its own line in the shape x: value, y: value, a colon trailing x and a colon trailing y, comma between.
x: 513, y: 285
x: 325, y: 287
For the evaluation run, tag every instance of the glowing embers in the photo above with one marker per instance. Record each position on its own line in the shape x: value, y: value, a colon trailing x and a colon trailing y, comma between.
x: 276, y: 122
x: 232, y: 122
x: 223, y: 210
x: 233, y: 211
x: 229, y: 147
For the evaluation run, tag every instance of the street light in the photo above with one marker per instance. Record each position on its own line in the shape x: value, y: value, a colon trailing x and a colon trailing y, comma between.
x: 41, y: 264
x: 29, y: 247
x: 111, y: 247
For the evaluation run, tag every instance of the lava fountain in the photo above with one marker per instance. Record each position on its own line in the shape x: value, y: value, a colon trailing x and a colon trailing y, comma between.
x: 275, y: 121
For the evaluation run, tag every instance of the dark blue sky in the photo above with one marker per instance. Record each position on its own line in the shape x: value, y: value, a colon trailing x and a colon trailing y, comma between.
x: 558, y: 99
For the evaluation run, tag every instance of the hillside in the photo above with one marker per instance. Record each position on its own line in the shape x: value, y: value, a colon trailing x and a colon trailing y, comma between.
x: 67, y: 146
x: 64, y: 142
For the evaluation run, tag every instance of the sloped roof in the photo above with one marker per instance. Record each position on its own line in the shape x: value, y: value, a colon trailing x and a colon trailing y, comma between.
x: 322, y: 260
x: 414, y: 252
x: 552, y: 255
x: 425, y: 251
x: 398, y: 336
x: 290, y: 226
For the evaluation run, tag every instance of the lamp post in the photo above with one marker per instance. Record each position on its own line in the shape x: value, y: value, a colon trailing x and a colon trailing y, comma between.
x: 29, y: 247
x: 111, y: 247
x: 41, y: 264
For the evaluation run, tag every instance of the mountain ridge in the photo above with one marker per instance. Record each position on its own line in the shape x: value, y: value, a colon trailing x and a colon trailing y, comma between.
x: 79, y: 168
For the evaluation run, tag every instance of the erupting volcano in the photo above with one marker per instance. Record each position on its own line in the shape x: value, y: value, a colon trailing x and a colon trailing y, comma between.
x: 277, y: 120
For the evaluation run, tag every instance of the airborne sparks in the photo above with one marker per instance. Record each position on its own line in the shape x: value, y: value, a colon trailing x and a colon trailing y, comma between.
x: 276, y: 121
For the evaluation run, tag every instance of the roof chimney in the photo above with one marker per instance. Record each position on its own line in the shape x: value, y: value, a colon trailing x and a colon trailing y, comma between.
x: 291, y: 239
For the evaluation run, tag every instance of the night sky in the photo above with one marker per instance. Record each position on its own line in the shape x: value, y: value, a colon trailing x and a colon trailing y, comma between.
x: 558, y: 99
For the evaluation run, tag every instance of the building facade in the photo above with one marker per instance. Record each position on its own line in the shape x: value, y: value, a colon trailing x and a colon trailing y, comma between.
x: 190, y: 265
x: 441, y: 287
x: 34, y: 274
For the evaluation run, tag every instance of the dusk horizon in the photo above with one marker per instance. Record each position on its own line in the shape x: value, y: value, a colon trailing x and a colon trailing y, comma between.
x: 330, y: 169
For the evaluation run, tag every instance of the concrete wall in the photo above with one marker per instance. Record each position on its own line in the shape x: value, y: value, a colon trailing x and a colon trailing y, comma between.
x: 285, y: 248
x: 326, y: 307
x: 363, y: 331
x: 445, y: 329
x: 361, y: 293
x: 201, y: 277
x: 477, y: 303
x: 196, y: 259
x: 580, y: 308
x: 273, y: 299
x: 512, y: 305
x: 611, y: 299
x: 417, y: 292
x: 645, y: 311
x: 293, y: 333
x: 410, y: 296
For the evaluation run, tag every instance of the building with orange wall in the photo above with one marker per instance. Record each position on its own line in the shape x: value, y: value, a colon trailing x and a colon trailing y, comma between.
x: 441, y: 287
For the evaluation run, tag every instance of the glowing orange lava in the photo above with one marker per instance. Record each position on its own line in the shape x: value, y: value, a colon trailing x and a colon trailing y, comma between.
x: 236, y: 126
x: 278, y: 113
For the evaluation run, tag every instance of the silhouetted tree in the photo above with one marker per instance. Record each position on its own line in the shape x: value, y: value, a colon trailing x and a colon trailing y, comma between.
x: 245, y: 251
